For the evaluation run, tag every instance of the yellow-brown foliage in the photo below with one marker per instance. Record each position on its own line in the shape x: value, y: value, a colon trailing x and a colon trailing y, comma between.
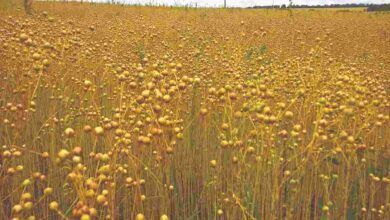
x: 111, y: 112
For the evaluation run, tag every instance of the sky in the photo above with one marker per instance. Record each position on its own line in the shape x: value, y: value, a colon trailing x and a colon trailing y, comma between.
x: 246, y: 3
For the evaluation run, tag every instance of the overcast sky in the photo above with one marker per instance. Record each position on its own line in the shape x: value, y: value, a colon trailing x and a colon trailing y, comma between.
x: 247, y: 3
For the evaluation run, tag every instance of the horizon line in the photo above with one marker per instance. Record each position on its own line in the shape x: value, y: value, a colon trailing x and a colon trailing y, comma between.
x: 194, y: 5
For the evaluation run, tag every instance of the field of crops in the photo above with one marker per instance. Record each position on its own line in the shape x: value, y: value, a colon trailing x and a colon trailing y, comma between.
x: 112, y: 112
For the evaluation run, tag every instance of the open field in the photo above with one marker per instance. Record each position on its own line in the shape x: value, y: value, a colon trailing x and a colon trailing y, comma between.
x: 111, y: 112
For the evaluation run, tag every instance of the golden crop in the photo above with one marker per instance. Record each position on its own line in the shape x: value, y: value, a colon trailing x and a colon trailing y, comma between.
x: 112, y: 112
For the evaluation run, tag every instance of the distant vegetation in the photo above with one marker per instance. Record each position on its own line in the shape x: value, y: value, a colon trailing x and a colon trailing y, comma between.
x: 383, y: 7
x: 370, y: 7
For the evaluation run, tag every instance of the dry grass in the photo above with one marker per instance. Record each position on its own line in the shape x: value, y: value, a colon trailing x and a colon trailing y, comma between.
x: 112, y: 112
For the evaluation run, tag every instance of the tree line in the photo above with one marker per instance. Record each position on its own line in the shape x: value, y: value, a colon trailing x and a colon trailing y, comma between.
x: 370, y: 7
